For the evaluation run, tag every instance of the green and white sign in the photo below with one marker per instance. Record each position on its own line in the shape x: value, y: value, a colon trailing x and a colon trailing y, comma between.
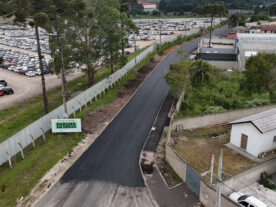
x: 66, y: 125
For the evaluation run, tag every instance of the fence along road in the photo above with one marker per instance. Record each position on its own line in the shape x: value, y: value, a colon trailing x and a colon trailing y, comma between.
x: 29, y: 134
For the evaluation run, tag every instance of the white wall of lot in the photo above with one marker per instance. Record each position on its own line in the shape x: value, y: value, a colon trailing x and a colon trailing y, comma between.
x: 248, y: 177
x: 257, y: 142
x: 218, y: 118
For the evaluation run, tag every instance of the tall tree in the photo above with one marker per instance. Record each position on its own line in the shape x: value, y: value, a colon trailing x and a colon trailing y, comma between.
x: 112, y: 34
x: 260, y: 73
x: 60, y: 11
x: 200, y: 71
x: 214, y: 10
x: 178, y: 78
x: 40, y: 20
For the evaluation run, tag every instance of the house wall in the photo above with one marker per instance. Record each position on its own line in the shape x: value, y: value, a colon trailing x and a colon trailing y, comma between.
x: 257, y: 142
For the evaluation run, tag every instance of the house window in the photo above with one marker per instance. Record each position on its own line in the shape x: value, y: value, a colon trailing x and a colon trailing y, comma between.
x: 274, y: 139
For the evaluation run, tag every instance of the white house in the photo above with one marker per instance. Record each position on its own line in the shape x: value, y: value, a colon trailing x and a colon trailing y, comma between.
x: 255, y: 134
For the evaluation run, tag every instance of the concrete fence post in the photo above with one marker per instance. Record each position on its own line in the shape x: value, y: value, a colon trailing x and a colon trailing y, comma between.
x: 33, y: 140
x: 21, y: 150
x: 43, y: 134
x: 9, y: 158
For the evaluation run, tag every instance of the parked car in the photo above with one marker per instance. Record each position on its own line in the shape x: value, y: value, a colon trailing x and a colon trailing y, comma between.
x: 2, y: 93
x: 1, y: 87
x: 30, y: 74
x: 8, y: 91
x: 3, y: 83
x: 246, y: 200
x: 126, y: 52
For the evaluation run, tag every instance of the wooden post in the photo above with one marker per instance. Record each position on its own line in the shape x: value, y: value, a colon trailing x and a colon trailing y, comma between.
x: 21, y: 150
x: 9, y: 158
x: 33, y: 140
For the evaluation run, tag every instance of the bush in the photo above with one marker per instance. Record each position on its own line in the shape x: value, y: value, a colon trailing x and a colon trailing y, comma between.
x: 256, y: 102
x: 214, y: 109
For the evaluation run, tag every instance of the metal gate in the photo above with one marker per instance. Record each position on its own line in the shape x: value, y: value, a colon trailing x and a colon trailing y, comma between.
x: 193, y: 179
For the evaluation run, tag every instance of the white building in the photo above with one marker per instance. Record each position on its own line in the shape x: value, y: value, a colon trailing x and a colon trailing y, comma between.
x: 251, y: 44
x: 255, y: 134
x: 148, y: 6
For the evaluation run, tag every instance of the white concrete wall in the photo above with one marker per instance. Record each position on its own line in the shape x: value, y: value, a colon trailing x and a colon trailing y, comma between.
x: 218, y: 118
x: 248, y: 177
x: 257, y: 142
x: 176, y: 162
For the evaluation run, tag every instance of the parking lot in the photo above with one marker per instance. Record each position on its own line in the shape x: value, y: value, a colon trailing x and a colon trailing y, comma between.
x: 26, y: 88
x: 21, y: 67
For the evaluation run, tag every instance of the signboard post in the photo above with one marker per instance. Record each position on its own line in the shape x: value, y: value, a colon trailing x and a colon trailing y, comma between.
x: 66, y: 125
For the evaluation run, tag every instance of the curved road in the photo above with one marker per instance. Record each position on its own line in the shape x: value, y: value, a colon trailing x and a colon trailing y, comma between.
x: 108, y: 173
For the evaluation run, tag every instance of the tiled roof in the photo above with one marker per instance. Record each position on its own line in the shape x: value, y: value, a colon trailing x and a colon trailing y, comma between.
x: 264, y: 122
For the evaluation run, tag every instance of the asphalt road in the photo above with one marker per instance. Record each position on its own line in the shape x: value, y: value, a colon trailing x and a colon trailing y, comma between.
x: 108, y: 173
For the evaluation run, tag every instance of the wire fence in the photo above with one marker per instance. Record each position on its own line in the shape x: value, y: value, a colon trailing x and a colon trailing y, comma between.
x: 16, y: 143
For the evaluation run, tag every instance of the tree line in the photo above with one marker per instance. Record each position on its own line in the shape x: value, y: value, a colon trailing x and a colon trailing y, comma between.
x: 79, y: 31
x: 180, y: 7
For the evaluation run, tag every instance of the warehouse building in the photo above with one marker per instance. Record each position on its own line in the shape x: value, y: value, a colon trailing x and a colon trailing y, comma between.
x: 251, y: 44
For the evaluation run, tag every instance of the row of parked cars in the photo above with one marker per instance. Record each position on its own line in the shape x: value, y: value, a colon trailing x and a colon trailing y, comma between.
x: 23, y: 63
x: 5, y: 90
x: 23, y: 37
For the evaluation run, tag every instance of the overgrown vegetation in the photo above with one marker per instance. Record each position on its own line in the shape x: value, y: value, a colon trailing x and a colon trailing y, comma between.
x: 209, y: 89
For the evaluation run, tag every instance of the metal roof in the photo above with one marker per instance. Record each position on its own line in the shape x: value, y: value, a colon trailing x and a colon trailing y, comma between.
x: 218, y: 50
x: 264, y: 122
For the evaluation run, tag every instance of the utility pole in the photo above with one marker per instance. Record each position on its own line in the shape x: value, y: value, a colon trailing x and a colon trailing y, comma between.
x: 135, y: 49
x: 212, y: 169
x: 218, y: 196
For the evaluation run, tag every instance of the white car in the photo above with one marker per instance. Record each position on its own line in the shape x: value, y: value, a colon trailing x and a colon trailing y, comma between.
x: 246, y: 200
x: 30, y: 74
x: 1, y: 87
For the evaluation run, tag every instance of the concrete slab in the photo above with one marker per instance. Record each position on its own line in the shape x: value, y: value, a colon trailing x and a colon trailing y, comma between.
x: 242, y: 152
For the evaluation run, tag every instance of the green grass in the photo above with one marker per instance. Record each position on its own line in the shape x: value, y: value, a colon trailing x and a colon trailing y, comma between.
x: 173, y: 174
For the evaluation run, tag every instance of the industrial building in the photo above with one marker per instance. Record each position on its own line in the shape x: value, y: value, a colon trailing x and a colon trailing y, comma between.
x: 251, y: 44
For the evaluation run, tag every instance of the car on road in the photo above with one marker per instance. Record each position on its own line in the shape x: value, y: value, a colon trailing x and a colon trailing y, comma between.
x: 3, y: 83
x: 8, y: 91
x: 246, y: 200
x: 1, y: 87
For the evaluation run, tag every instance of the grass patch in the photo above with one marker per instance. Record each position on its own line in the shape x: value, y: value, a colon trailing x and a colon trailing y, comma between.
x: 173, y: 174
x: 196, y: 146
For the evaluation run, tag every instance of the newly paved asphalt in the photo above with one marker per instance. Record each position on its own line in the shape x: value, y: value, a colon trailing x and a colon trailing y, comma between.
x: 108, y: 173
